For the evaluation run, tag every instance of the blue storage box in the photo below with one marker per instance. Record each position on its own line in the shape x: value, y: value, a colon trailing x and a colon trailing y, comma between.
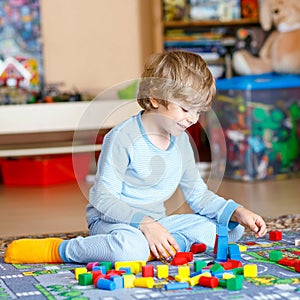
x: 260, y: 120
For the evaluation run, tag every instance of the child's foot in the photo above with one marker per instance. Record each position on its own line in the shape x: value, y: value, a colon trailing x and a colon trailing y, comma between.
x: 33, y: 251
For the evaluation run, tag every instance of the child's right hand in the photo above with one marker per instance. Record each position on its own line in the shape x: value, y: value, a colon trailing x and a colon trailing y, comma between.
x: 249, y: 219
x: 161, y: 242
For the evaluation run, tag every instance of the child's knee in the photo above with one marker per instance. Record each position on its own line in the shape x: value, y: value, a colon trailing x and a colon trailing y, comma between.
x: 236, y: 233
x: 133, y: 249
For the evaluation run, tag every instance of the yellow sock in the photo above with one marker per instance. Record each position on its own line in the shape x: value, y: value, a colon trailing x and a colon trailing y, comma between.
x: 33, y: 251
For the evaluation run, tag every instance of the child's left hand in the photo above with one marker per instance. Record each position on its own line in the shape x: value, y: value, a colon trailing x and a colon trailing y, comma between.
x: 251, y: 220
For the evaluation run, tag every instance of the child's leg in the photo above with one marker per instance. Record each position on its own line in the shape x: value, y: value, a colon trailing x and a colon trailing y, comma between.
x: 33, y: 251
x: 188, y: 229
x: 121, y: 242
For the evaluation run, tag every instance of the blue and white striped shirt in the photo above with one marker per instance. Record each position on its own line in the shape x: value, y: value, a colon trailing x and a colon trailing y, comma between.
x: 134, y: 178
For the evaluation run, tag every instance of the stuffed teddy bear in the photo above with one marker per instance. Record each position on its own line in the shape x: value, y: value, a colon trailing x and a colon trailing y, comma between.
x: 280, y: 52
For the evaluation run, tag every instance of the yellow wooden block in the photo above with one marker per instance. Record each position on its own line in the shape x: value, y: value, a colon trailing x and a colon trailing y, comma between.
x: 206, y: 274
x: 242, y: 248
x: 184, y: 271
x: 135, y: 266
x: 162, y: 271
x: 145, y: 282
x: 128, y: 280
x: 228, y: 276
x: 195, y: 280
x: 180, y: 278
x: 78, y: 271
x: 250, y: 270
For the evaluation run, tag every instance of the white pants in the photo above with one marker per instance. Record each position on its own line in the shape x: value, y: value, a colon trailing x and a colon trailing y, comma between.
x: 121, y: 242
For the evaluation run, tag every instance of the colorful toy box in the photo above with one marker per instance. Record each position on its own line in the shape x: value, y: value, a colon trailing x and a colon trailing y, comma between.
x: 45, y: 170
x: 260, y: 120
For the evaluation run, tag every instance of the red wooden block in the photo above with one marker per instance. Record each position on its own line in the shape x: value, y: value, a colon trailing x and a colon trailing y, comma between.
x: 235, y: 263
x: 116, y: 272
x: 227, y: 265
x: 177, y: 261
x: 287, y: 262
x: 216, y: 244
x: 275, y: 235
x: 90, y: 265
x: 188, y: 255
x: 297, y: 266
x: 96, y: 277
x: 211, y: 282
x: 198, y: 248
x: 148, y: 271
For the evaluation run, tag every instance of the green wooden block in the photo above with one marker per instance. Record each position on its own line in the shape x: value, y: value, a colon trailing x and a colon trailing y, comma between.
x: 107, y: 264
x: 199, y: 265
x: 234, y: 284
x: 217, y: 268
x: 85, y: 279
x: 275, y: 255
x: 238, y: 271
x: 222, y: 282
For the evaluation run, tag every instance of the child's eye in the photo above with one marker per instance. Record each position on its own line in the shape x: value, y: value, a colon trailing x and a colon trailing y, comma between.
x: 185, y: 110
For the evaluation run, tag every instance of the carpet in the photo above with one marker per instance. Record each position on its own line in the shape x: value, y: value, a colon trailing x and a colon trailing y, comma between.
x: 274, y: 281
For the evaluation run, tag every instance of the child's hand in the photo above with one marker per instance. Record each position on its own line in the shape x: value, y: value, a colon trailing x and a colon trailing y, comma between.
x: 161, y: 242
x: 251, y: 220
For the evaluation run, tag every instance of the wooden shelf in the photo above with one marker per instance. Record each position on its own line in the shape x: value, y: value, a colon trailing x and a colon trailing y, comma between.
x: 184, y: 24
x: 191, y: 28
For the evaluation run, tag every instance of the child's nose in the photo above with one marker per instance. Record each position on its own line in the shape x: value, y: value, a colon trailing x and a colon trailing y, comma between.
x: 193, y: 117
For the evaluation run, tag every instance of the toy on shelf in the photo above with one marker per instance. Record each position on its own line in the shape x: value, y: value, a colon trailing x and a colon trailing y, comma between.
x: 281, y: 50
x: 21, y: 68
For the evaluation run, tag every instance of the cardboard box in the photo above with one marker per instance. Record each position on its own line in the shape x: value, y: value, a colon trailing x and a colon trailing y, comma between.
x: 260, y: 120
x: 45, y: 170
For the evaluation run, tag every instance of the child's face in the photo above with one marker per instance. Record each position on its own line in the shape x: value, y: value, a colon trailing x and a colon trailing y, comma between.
x: 175, y: 118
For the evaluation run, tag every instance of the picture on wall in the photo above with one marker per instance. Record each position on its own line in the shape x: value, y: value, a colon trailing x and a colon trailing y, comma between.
x: 21, y: 63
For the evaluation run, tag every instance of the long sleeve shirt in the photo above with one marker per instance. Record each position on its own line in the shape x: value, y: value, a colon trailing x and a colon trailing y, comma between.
x: 134, y: 178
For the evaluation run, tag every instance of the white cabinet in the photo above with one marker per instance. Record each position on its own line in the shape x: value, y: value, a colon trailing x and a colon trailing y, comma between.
x: 66, y: 127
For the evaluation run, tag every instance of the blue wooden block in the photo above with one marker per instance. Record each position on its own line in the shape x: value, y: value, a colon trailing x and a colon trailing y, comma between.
x: 100, y: 268
x: 176, y: 286
x: 222, y: 230
x: 222, y: 248
x: 234, y: 252
x: 126, y: 269
x: 105, y: 284
x: 118, y: 280
x: 222, y: 244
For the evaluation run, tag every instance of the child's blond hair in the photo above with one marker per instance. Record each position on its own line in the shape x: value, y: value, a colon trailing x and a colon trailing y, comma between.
x: 177, y: 76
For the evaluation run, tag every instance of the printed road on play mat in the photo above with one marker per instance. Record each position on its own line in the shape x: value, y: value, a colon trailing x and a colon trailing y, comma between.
x: 49, y: 281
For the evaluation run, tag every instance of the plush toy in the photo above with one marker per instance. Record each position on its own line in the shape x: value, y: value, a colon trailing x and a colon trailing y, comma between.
x: 281, y: 51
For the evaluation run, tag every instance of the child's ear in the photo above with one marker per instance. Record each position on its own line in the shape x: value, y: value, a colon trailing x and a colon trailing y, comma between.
x: 154, y: 102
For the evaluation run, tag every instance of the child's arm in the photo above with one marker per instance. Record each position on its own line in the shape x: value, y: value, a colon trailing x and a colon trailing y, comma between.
x: 251, y: 220
x: 161, y: 242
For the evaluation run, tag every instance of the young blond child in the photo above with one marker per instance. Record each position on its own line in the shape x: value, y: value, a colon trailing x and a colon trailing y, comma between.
x: 143, y: 161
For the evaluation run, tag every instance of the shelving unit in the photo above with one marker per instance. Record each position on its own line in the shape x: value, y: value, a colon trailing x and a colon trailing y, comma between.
x: 160, y: 27
x: 206, y: 23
